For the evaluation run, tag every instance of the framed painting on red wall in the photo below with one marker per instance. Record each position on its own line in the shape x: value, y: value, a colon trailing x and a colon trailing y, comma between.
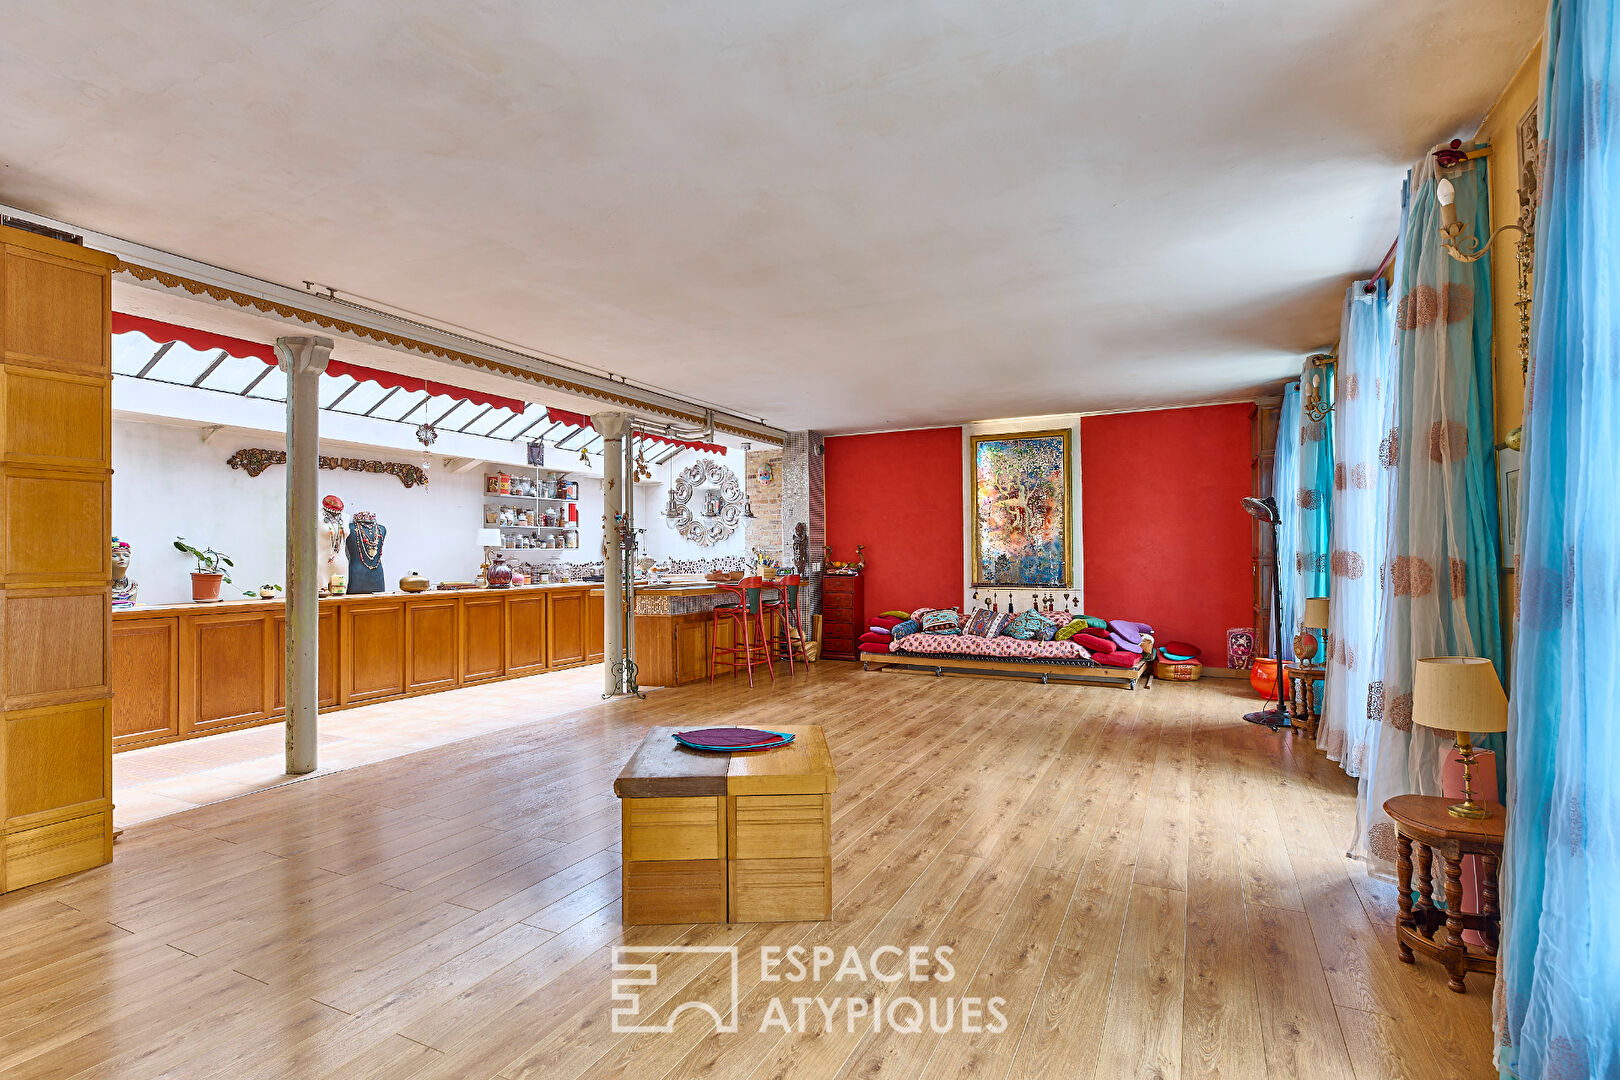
x: 1021, y: 510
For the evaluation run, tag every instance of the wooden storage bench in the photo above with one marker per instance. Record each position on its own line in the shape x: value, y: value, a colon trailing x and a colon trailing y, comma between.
x: 711, y: 837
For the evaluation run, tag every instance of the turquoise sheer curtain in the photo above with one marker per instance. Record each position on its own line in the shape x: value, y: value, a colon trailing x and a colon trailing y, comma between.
x: 1440, y: 588
x: 1285, y: 483
x: 1313, y: 500
x: 1361, y: 492
x: 1558, y: 992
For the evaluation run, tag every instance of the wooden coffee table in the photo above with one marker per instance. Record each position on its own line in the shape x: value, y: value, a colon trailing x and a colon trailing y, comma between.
x: 712, y: 837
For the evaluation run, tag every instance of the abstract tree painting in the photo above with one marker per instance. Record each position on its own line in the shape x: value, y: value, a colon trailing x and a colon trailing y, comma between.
x: 1021, y: 533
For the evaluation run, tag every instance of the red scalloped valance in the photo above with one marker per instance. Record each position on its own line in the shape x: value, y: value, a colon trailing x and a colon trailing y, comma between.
x: 205, y: 341
x: 580, y: 420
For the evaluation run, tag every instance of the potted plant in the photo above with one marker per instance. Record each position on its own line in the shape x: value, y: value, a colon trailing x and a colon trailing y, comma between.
x: 206, y: 578
x: 267, y: 591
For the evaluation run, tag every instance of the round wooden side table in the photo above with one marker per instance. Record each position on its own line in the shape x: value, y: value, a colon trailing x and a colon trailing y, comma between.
x: 1424, y: 826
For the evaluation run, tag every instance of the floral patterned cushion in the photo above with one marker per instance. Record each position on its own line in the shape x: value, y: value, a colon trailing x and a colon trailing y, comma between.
x: 1024, y: 625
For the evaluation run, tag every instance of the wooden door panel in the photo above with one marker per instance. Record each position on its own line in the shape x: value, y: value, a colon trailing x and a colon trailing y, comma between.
x: 483, y: 629
x: 595, y: 627
x: 565, y: 627
x: 231, y: 668
x: 526, y: 634
x: 328, y: 627
x: 375, y: 643
x: 145, y: 683
x: 431, y: 641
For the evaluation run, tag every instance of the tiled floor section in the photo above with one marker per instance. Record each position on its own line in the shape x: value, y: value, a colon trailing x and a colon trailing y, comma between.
x: 165, y: 780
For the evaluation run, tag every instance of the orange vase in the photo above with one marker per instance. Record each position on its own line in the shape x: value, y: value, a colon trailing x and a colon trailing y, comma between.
x: 1263, y: 676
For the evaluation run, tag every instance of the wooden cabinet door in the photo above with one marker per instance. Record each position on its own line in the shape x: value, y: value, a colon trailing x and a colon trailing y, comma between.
x: 525, y: 633
x: 565, y: 629
x: 326, y: 661
x: 374, y: 647
x: 691, y: 651
x: 430, y: 642
x: 483, y: 636
x: 145, y: 680
x: 595, y: 628
x: 228, y: 660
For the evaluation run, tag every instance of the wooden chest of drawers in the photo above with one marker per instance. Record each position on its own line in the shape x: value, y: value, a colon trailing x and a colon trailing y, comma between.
x: 843, y: 616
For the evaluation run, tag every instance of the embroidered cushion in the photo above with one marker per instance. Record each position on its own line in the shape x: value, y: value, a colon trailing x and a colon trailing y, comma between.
x: 980, y: 622
x: 910, y: 626
x: 998, y: 623
x: 1024, y: 625
x: 940, y: 622
x: 1046, y: 631
x: 1072, y: 629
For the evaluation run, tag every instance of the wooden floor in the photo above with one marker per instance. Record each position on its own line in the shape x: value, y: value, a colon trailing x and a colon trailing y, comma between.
x: 1155, y: 888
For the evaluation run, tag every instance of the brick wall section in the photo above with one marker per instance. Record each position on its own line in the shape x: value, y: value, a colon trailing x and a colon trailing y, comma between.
x: 764, y: 529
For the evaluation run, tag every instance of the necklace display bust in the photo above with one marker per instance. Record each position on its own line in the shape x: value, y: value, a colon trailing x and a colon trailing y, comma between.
x: 333, y: 533
x: 365, y: 544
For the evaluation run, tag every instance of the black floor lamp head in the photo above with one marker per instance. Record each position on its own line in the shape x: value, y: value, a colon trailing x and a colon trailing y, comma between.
x: 1266, y: 510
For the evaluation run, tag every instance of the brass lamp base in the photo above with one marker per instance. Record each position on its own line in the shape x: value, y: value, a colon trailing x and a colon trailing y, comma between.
x: 1468, y: 808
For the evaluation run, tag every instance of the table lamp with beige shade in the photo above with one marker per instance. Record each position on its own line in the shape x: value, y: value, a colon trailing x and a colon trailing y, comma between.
x: 1460, y: 694
x: 1315, y: 618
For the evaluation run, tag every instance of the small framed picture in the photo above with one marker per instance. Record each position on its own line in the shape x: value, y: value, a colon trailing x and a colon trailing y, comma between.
x: 1507, y: 497
x: 537, y: 453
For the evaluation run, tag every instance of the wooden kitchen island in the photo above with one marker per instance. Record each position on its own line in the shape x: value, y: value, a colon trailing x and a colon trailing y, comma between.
x: 674, y: 631
x: 182, y: 671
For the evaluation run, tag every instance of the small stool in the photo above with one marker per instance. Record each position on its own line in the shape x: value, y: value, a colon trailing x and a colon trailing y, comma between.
x: 749, y: 608
x: 1424, y: 826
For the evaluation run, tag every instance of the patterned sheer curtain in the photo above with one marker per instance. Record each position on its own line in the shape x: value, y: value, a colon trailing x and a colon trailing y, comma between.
x: 1439, y: 579
x: 1361, y: 490
x: 1285, y: 482
x: 1558, y: 994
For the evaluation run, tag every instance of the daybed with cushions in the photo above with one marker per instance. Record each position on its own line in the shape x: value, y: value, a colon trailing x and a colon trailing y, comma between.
x: 1006, y: 644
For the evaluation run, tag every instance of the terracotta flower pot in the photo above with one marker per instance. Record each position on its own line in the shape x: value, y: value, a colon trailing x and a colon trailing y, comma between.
x: 205, y: 587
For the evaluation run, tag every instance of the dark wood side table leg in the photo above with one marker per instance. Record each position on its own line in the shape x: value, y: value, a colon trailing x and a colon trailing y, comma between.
x: 1425, y: 889
x: 1488, y: 867
x: 1456, y: 949
x: 1403, y: 881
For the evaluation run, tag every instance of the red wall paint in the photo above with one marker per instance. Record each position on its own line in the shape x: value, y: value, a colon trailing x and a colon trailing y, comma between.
x: 901, y: 494
x: 1166, y: 539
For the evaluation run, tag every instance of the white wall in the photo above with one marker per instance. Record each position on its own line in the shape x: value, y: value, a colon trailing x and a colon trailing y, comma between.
x: 168, y: 483
x: 664, y: 542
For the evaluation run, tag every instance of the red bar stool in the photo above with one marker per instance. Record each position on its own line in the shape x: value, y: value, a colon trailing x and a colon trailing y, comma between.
x: 753, y: 645
x: 787, y: 611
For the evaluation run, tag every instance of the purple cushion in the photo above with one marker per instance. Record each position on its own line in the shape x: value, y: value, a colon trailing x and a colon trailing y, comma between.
x: 1129, y: 631
x: 1125, y: 644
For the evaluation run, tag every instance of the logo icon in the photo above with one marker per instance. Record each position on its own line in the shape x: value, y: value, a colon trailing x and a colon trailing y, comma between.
x: 645, y: 974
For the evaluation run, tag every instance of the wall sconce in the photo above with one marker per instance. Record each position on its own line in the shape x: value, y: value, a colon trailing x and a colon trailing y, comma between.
x: 1315, y: 406
x: 1466, y: 249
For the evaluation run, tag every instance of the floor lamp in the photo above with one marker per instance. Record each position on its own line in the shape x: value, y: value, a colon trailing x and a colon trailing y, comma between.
x: 1266, y: 510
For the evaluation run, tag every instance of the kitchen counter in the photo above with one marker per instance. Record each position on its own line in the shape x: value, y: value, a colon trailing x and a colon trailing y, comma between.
x: 675, y: 631
x: 182, y: 671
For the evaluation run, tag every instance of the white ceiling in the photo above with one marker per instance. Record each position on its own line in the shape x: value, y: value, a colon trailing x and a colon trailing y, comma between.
x: 838, y: 215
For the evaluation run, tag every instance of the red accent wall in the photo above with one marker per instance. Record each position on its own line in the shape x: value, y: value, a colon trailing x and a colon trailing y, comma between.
x: 1166, y: 539
x: 901, y: 494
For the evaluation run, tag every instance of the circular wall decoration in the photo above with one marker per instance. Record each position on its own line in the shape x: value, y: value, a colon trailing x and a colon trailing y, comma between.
x: 719, y: 498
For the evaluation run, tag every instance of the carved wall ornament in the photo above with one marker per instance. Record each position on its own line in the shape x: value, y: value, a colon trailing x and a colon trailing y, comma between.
x: 720, y: 499
x: 255, y: 460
